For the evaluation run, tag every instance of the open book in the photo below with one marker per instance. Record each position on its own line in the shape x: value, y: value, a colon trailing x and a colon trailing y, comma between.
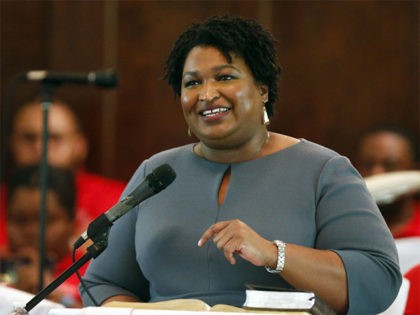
x: 195, y: 305
x: 199, y: 305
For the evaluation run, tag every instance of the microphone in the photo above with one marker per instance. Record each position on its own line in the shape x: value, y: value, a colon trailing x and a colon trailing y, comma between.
x: 156, y: 181
x: 103, y: 78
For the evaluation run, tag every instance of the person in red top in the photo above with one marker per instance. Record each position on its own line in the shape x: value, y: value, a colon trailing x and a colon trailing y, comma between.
x: 385, y: 149
x: 67, y: 148
x: 412, y: 227
x: 23, y: 210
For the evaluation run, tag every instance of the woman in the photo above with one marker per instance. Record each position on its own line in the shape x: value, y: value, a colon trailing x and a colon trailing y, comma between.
x: 244, y: 187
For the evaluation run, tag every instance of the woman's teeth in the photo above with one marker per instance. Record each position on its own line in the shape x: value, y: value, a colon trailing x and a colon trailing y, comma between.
x: 214, y: 111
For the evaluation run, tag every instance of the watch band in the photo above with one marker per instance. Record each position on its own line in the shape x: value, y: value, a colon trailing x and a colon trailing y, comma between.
x: 281, y: 257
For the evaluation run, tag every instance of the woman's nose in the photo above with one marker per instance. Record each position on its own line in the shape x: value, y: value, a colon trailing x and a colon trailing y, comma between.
x: 208, y: 92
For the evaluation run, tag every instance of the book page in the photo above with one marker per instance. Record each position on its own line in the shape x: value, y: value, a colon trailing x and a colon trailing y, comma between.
x: 227, y: 308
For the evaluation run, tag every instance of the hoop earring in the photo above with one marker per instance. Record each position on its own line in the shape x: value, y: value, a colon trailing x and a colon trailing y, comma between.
x: 189, y: 131
x: 266, y: 120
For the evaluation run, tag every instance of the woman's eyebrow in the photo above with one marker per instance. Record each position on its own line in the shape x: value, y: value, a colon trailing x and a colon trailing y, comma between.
x: 214, y: 69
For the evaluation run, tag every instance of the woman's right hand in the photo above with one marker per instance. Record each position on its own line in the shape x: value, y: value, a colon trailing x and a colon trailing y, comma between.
x: 236, y: 237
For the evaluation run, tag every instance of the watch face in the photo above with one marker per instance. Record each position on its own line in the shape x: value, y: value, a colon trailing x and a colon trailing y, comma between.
x: 272, y: 270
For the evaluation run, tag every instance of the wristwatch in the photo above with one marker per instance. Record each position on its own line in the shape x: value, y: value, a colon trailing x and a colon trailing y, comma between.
x: 281, y: 257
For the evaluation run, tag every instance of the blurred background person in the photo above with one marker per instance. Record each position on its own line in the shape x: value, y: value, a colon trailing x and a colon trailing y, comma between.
x: 385, y: 149
x: 23, y: 211
x: 388, y: 149
x: 67, y: 148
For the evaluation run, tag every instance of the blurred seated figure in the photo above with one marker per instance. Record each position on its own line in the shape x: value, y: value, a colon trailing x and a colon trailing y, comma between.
x: 20, y: 266
x: 391, y: 149
x: 67, y: 148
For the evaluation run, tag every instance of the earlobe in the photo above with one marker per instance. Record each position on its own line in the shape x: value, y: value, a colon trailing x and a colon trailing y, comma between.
x: 264, y: 92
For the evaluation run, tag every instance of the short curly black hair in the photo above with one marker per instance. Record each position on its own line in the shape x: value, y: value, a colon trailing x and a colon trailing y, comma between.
x: 230, y: 34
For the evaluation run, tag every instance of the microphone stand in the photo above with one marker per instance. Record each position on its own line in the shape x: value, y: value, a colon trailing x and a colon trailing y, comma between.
x: 46, y: 101
x: 93, y: 251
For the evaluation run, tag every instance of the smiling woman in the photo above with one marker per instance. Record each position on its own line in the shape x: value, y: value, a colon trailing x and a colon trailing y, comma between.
x: 268, y: 201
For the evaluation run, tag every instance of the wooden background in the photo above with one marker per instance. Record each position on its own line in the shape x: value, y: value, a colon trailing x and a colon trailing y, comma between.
x: 347, y: 65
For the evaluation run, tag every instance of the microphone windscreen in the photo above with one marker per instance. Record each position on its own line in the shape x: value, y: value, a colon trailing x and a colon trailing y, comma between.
x: 161, y: 177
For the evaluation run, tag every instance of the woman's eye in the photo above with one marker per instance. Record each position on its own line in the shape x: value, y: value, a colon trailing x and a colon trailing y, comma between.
x: 225, y: 77
x: 190, y: 83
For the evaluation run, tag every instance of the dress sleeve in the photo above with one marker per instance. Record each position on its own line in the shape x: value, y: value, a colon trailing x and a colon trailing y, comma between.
x: 350, y: 224
x: 115, y: 271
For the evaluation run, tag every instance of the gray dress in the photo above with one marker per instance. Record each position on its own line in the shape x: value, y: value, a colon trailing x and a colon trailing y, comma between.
x: 305, y: 194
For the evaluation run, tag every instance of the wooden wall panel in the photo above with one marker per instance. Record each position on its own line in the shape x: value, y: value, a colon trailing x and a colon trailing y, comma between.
x: 347, y: 65
x: 63, y: 36
x: 23, y: 47
x: 77, y: 45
